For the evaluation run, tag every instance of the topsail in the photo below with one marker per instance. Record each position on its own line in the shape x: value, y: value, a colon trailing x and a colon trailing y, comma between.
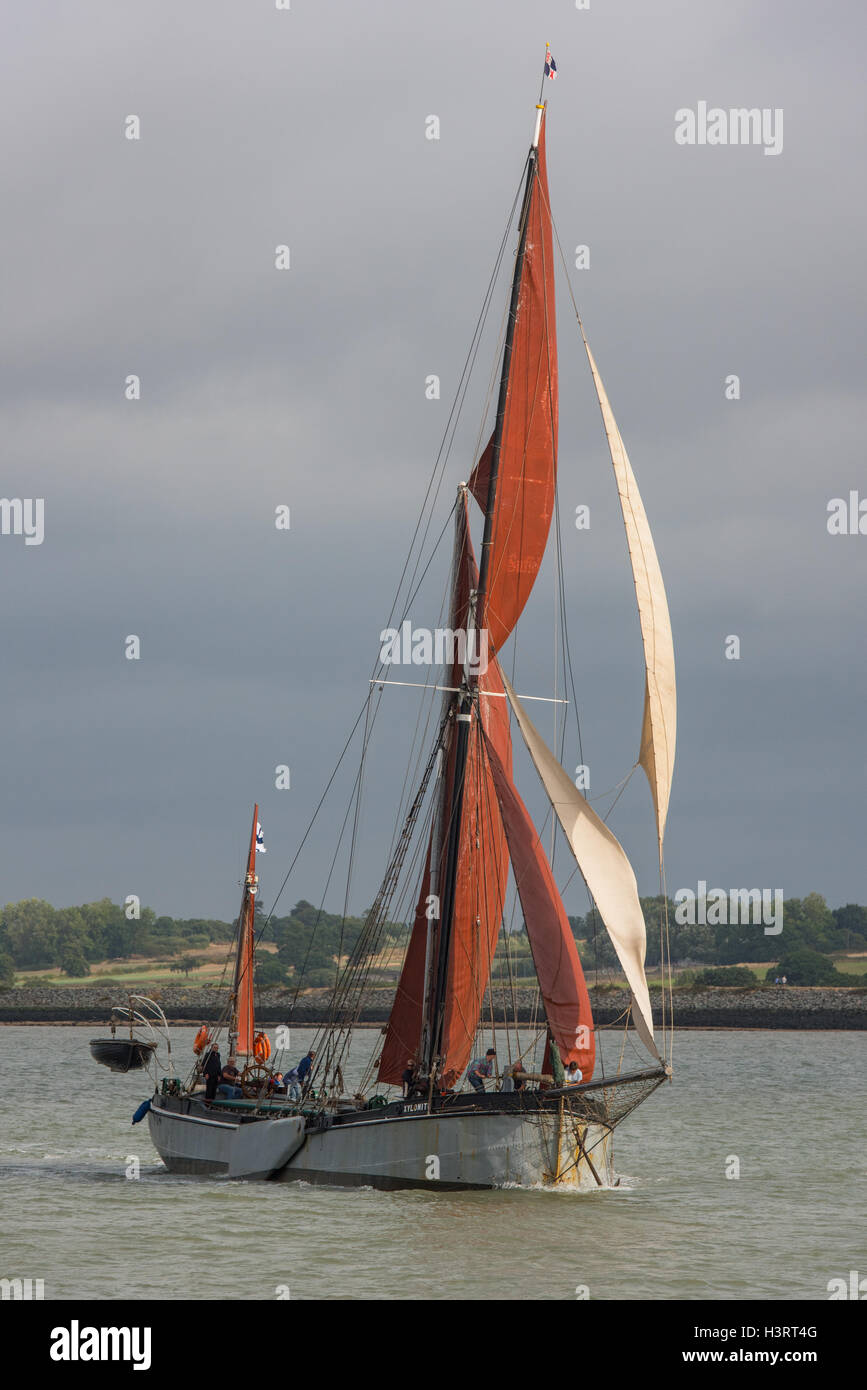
x: 526, y: 467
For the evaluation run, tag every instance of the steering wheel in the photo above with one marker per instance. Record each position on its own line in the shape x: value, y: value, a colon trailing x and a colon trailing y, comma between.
x: 253, y: 1078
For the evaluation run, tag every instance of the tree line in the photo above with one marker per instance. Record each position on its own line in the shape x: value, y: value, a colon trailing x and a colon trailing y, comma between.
x: 811, y: 933
x: 36, y: 936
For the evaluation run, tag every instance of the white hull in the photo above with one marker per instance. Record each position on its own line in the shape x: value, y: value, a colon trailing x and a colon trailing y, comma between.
x: 455, y: 1151
x: 198, y: 1145
x: 448, y: 1150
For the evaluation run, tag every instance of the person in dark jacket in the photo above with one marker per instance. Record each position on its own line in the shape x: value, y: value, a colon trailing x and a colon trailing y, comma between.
x: 303, y: 1069
x: 212, y: 1071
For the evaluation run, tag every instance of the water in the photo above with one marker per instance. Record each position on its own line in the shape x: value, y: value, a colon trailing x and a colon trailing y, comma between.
x: 790, y: 1106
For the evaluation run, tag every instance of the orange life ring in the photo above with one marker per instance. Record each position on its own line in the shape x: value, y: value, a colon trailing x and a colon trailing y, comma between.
x: 201, y: 1040
x: 261, y: 1047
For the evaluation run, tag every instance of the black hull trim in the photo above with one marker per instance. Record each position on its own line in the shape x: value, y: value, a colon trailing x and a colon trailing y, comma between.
x: 318, y: 1177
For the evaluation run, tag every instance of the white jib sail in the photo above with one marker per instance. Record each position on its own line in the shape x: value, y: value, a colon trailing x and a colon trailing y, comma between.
x: 659, y: 728
x: 603, y: 862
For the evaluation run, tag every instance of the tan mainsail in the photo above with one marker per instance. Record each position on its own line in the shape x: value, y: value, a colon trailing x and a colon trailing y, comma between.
x: 659, y: 728
x: 603, y: 862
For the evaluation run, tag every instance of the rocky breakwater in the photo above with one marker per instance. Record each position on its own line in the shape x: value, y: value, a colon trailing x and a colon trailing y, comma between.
x: 762, y: 1007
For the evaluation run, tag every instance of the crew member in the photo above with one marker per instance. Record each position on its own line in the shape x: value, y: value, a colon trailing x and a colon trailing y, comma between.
x: 303, y: 1069
x: 212, y: 1071
x: 481, y: 1068
x: 230, y: 1080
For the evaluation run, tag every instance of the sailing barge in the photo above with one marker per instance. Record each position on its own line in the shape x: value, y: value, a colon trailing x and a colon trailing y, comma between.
x: 477, y: 830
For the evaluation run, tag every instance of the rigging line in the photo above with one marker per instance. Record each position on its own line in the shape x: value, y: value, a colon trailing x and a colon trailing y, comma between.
x: 380, y: 665
x: 509, y: 984
x: 360, y: 964
x: 360, y: 981
x: 419, y: 740
x: 359, y: 788
x: 496, y: 836
x: 457, y: 404
x: 567, y: 650
x: 312, y: 936
x: 494, y: 373
x: 340, y: 1017
x: 664, y: 888
x: 618, y: 787
x: 507, y: 988
x: 361, y: 712
x: 406, y: 898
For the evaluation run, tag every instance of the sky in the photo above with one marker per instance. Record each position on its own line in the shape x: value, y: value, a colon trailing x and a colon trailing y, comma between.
x: 260, y: 388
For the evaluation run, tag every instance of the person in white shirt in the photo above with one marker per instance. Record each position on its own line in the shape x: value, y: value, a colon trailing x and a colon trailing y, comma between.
x: 574, y: 1076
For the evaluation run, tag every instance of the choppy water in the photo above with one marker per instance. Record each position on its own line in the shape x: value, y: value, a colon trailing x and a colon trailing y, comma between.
x: 790, y: 1106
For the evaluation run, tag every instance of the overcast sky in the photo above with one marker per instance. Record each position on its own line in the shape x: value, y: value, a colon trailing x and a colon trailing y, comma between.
x: 306, y: 387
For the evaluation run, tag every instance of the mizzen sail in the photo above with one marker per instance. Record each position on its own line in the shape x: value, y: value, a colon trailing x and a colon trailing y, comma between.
x: 244, y: 1028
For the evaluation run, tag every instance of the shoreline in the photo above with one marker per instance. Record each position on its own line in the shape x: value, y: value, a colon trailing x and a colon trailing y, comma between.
x: 789, y: 1008
x: 764, y: 1008
x: 678, y: 1027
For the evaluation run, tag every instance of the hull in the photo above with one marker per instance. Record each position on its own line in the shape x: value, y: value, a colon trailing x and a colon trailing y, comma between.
x: 456, y: 1151
x: 122, y: 1054
x: 205, y: 1145
x: 459, y: 1148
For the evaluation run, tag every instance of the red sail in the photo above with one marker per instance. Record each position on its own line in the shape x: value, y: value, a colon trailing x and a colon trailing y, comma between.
x: 527, y: 473
x: 555, y: 955
x: 480, y: 894
x: 246, y: 945
x: 404, y: 1026
x: 483, y: 866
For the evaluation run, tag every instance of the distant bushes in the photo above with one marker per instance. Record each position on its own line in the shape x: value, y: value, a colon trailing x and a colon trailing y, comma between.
x: 804, y: 967
x: 737, y: 976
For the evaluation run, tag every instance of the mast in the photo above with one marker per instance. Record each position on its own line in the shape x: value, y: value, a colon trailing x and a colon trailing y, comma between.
x: 430, y: 1043
x: 242, y: 1025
